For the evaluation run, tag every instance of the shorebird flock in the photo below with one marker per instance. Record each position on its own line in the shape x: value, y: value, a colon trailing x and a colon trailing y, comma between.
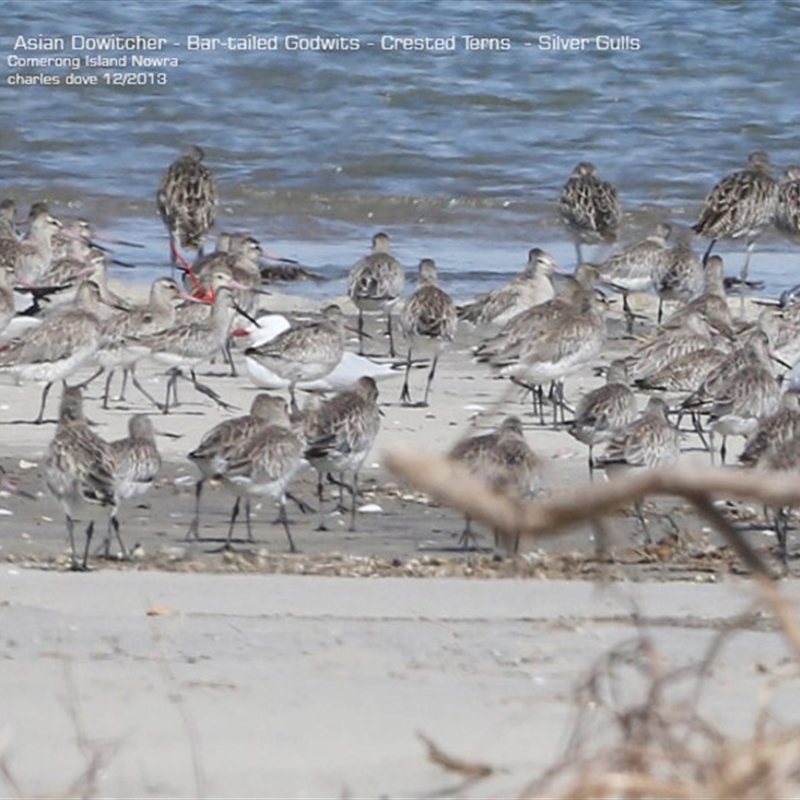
x: 698, y: 364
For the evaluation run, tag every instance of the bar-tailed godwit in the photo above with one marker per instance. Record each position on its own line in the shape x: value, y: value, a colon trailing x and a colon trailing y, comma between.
x: 375, y: 284
x: 428, y: 321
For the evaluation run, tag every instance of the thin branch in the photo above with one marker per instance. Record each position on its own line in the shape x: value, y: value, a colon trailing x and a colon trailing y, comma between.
x: 473, y: 770
x: 451, y: 484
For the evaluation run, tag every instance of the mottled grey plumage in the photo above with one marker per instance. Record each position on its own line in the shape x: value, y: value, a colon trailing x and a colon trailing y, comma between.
x: 650, y: 441
x: 223, y: 443
x: 60, y: 346
x: 678, y: 275
x: 31, y: 257
x: 78, y: 467
x: 530, y: 289
x: 340, y: 434
x: 187, y: 200
x: 242, y: 259
x: 428, y: 318
x: 502, y: 459
x: 557, y: 350
x: 603, y: 411
x: 264, y: 467
x: 589, y: 207
x: 156, y: 315
x: 376, y: 283
x: 684, y: 373
x: 539, y: 319
x: 752, y: 349
x: 137, y: 463
x: 742, y: 204
x: 186, y: 345
x: 306, y: 351
x: 712, y: 304
x: 668, y: 345
x: 8, y: 219
x: 74, y: 240
x: 787, y: 209
x: 749, y: 394
x: 69, y: 272
x: 773, y: 430
x: 783, y: 458
x: 631, y: 268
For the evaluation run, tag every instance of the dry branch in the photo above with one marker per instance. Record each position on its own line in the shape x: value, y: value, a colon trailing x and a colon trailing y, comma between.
x: 472, y: 770
x: 451, y: 484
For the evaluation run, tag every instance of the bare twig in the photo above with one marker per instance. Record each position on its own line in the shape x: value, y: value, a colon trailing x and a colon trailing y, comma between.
x: 451, y: 484
x: 472, y: 770
x: 664, y: 747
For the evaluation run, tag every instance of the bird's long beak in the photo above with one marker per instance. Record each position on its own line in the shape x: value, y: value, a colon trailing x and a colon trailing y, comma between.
x: 104, y: 237
x: 247, y: 316
x: 270, y: 257
x: 355, y: 330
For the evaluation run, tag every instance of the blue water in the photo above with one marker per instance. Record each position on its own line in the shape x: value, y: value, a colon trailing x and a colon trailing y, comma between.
x: 458, y: 155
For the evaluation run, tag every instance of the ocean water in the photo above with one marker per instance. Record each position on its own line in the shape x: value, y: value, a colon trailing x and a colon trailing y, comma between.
x: 459, y: 154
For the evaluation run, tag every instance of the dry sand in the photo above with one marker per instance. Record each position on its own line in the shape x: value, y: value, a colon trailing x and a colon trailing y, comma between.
x: 283, y: 685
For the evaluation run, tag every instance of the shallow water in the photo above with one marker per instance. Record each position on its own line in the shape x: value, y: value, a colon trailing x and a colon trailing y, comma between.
x: 458, y: 155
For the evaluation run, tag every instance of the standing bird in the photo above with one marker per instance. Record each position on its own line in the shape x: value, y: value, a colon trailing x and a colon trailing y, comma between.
x: 60, y: 346
x: 785, y: 458
x: 137, y: 463
x: 428, y: 317
x: 187, y: 200
x: 667, y: 345
x: 557, y: 350
x: 375, y: 284
x: 305, y: 351
x: 603, y: 411
x: 774, y: 429
x: 590, y: 208
x: 32, y: 256
x: 502, y: 459
x: 343, y: 376
x: 156, y: 315
x: 8, y: 219
x: 742, y: 204
x: 264, y: 467
x: 340, y: 434
x: 631, y: 269
x: 242, y: 259
x: 787, y: 211
x: 188, y: 344
x: 678, y: 275
x: 532, y: 288
x: 222, y: 444
x: 650, y: 441
x: 532, y: 322
x: 749, y: 394
x: 78, y: 467
x: 6, y: 296
x: 712, y: 304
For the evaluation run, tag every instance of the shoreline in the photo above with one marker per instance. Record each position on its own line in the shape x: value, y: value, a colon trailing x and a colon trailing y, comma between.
x: 403, y: 524
x: 190, y: 674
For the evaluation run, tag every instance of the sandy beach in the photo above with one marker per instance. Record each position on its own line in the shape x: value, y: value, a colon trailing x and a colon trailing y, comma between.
x: 398, y: 524
x: 191, y: 673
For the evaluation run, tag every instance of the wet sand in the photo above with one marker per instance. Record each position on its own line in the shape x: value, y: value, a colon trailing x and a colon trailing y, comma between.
x: 280, y: 685
x: 399, y: 524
